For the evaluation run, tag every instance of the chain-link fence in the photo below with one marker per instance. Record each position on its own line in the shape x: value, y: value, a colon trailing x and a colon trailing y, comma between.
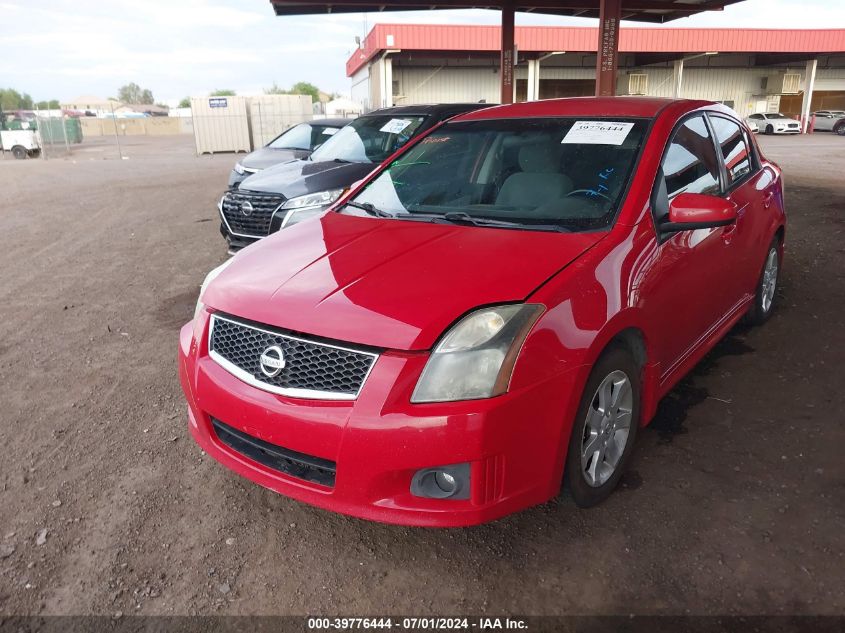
x: 57, y: 134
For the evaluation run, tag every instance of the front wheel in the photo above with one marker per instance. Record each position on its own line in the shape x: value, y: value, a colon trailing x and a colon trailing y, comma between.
x: 604, y: 430
x: 19, y: 152
x: 840, y: 129
x: 770, y: 129
x: 766, y: 295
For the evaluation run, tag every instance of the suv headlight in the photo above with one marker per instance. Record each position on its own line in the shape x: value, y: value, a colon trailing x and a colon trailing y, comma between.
x: 208, y: 279
x: 307, y: 206
x: 475, y: 358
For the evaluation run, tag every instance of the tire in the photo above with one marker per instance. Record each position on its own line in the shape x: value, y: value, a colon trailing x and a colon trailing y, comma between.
x: 765, y: 296
x: 589, y: 475
x: 770, y: 129
x: 19, y: 152
x: 840, y: 129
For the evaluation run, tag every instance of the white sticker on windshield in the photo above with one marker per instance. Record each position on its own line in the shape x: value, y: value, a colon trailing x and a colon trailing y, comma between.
x: 328, y: 131
x: 597, y: 133
x: 394, y: 126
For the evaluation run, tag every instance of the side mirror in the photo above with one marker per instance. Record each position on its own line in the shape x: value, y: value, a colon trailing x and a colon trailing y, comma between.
x: 690, y: 211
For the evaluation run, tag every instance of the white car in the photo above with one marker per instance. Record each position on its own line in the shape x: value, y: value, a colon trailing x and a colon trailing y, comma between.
x: 776, y: 123
x: 752, y: 125
x: 830, y: 121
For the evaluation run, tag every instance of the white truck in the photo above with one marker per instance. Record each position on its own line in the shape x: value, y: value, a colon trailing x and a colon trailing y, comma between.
x: 22, y: 143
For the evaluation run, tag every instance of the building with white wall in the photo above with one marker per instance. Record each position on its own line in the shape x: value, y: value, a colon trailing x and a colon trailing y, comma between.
x: 751, y: 70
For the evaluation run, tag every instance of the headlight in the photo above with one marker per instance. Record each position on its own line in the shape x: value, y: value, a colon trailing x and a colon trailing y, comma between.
x: 476, y: 357
x: 307, y: 206
x: 208, y: 279
x: 239, y: 168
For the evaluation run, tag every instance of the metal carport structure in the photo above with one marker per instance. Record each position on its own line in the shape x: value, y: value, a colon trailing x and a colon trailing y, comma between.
x: 609, y: 12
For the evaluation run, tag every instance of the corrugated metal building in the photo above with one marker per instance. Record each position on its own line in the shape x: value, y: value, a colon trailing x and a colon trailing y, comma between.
x: 751, y: 70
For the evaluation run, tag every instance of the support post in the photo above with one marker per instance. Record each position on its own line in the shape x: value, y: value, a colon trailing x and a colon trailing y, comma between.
x: 610, y: 12
x: 533, y: 91
x: 387, y: 81
x: 506, y: 54
x: 807, y: 102
x: 678, y: 78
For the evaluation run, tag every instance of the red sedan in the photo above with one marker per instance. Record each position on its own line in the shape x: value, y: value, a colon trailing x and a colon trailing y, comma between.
x: 493, y: 313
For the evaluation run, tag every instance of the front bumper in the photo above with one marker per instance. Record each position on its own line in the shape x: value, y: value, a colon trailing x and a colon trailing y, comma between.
x: 235, y: 242
x: 514, y: 444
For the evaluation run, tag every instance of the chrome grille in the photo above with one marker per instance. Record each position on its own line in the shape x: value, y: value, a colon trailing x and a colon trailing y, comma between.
x: 254, y: 223
x: 311, y: 369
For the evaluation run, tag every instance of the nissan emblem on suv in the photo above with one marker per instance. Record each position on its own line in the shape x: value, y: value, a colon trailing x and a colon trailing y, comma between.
x: 272, y: 361
x: 246, y: 207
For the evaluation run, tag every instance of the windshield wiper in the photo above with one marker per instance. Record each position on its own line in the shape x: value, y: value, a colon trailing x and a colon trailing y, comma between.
x: 466, y: 218
x: 372, y: 210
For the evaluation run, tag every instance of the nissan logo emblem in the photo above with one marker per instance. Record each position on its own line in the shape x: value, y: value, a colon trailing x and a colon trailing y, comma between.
x: 246, y: 207
x: 272, y: 361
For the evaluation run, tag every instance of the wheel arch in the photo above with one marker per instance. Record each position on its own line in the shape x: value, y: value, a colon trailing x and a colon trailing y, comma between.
x: 629, y: 332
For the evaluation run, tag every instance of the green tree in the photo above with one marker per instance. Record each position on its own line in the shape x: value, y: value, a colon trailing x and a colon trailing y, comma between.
x: 133, y: 93
x: 299, y: 88
x: 185, y: 103
x: 11, y: 99
x: 52, y: 104
x: 305, y: 88
x: 223, y: 92
x: 275, y: 89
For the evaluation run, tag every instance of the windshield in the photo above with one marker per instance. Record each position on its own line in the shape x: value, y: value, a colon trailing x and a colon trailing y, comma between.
x: 369, y: 139
x: 549, y: 174
x: 303, y: 136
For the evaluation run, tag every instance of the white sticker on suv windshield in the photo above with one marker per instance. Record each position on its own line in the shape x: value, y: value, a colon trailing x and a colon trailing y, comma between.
x: 598, y: 132
x: 328, y: 131
x: 394, y: 126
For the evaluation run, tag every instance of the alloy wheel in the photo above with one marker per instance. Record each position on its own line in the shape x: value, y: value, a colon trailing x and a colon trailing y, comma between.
x: 770, y: 280
x: 607, y: 428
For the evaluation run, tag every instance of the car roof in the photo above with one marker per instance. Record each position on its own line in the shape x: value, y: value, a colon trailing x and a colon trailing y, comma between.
x: 444, y: 110
x: 635, y: 107
x: 338, y: 122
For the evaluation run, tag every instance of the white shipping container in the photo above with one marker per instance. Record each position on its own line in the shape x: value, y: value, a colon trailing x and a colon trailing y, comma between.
x: 270, y: 115
x: 221, y: 124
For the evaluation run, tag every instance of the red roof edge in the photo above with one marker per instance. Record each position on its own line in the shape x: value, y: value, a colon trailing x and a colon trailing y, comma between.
x: 457, y: 37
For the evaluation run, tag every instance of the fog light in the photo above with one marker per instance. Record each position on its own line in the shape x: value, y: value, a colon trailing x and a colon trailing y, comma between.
x: 442, y: 482
x: 445, y: 482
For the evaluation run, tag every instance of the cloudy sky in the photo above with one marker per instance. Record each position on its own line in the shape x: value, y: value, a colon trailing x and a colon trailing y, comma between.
x: 64, y: 48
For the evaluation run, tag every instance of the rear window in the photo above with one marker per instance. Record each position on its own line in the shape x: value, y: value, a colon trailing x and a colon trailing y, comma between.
x: 369, y: 139
x: 305, y: 136
x: 564, y: 173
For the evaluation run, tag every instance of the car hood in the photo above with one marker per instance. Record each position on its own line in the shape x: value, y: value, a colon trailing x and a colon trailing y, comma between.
x: 300, y: 177
x: 267, y: 157
x: 393, y: 284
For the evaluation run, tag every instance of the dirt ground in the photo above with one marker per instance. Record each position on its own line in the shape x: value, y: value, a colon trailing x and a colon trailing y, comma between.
x: 734, y: 503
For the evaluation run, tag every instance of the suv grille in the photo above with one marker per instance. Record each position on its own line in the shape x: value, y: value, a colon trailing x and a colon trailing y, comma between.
x: 284, y: 460
x: 309, y: 369
x: 254, y: 223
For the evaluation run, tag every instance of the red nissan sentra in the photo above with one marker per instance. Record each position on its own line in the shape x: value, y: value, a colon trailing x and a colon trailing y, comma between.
x: 494, y: 312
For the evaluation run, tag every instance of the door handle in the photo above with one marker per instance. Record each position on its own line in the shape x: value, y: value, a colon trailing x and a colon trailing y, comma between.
x: 767, y: 199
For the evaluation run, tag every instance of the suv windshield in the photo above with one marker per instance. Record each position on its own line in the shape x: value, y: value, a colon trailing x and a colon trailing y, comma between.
x: 369, y: 139
x: 544, y: 174
x: 303, y: 136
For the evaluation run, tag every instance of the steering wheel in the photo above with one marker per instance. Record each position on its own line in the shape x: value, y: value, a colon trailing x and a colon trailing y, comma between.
x: 588, y: 192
